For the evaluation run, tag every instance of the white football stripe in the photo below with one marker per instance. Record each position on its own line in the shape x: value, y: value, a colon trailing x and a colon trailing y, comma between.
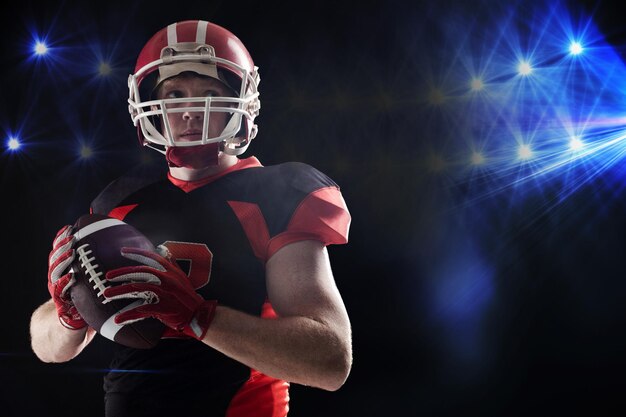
x: 97, y: 226
x: 109, y: 328
x: 195, y: 327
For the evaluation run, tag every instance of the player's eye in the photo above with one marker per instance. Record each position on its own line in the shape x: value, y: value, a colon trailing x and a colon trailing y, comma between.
x: 173, y: 94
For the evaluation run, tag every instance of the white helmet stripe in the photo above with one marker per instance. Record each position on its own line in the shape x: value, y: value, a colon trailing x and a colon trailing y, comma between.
x: 171, y: 34
x: 201, y: 31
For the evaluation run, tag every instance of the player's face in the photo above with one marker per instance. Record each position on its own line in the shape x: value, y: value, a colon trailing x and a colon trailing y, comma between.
x: 187, y: 125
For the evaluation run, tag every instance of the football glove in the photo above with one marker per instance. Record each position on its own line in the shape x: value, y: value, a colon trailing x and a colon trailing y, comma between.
x: 60, y: 278
x: 166, y: 290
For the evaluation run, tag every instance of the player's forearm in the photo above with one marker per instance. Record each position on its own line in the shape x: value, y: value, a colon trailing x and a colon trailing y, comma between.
x: 296, y: 349
x: 52, y: 342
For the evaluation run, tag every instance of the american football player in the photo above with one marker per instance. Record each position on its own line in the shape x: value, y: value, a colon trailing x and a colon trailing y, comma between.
x: 242, y: 279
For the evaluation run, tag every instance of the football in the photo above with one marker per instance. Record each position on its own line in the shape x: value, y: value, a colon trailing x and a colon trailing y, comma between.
x: 99, y: 239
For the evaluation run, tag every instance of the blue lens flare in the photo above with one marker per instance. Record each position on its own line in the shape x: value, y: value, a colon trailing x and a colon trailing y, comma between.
x: 512, y: 93
x: 13, y: 144
x: 525, y: 107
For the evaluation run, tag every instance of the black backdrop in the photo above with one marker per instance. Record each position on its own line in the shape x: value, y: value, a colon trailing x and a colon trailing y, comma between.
x: 338, y: 92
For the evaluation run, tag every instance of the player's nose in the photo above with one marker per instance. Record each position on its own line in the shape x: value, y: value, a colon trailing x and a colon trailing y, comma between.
x: 189, y: 115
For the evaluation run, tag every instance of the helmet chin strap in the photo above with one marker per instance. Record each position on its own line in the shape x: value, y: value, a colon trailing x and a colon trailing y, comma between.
x: 194, y: 157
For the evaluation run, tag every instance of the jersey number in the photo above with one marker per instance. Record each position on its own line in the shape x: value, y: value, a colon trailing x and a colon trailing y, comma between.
x: 199, y: 258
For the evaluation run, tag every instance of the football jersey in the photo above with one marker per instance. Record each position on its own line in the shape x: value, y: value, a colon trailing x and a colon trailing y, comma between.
x: 221, y: 231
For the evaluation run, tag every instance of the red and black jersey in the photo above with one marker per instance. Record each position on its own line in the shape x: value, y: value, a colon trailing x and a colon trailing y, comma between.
x: 221, y: 231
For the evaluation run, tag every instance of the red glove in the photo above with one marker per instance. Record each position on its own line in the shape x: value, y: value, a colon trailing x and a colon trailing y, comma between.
x: 167, y: 291
x: 60, y: 278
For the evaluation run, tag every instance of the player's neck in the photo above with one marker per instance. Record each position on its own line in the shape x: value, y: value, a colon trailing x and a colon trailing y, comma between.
x: 190, y: 174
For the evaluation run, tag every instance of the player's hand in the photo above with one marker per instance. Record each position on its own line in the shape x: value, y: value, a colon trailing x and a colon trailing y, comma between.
x: 167, y: 292
x: 60, y: 278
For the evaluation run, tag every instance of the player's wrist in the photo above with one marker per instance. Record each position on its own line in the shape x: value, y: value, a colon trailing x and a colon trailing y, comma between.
x: 69, y: 316
x: 72, y: 324
x: 201, y: 320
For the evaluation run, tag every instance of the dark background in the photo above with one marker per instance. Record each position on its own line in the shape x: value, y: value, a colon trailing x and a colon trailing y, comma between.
x: 339, y: 87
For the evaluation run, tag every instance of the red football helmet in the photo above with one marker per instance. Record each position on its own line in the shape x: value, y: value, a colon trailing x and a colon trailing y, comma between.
x: 206, y: 49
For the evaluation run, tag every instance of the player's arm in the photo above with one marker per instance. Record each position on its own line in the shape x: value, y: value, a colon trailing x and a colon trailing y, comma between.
x: 53, y: 342
x: 310, y: 343
x: 58, y: 332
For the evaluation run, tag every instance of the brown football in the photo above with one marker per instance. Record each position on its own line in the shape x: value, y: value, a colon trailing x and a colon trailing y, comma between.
x: 99, y: 239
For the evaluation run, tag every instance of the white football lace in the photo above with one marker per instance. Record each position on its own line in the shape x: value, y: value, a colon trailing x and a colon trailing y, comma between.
x: 90, y: 268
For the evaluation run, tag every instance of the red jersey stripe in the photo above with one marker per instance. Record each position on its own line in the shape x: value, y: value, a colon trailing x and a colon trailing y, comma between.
x: 122, y: 211
x: 322, y: 215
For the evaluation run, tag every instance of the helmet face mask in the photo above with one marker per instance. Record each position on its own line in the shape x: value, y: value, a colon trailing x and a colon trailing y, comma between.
x: 216, y: 53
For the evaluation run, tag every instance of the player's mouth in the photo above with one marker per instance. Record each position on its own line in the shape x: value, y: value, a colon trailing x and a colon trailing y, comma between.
x: 191, y: 134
